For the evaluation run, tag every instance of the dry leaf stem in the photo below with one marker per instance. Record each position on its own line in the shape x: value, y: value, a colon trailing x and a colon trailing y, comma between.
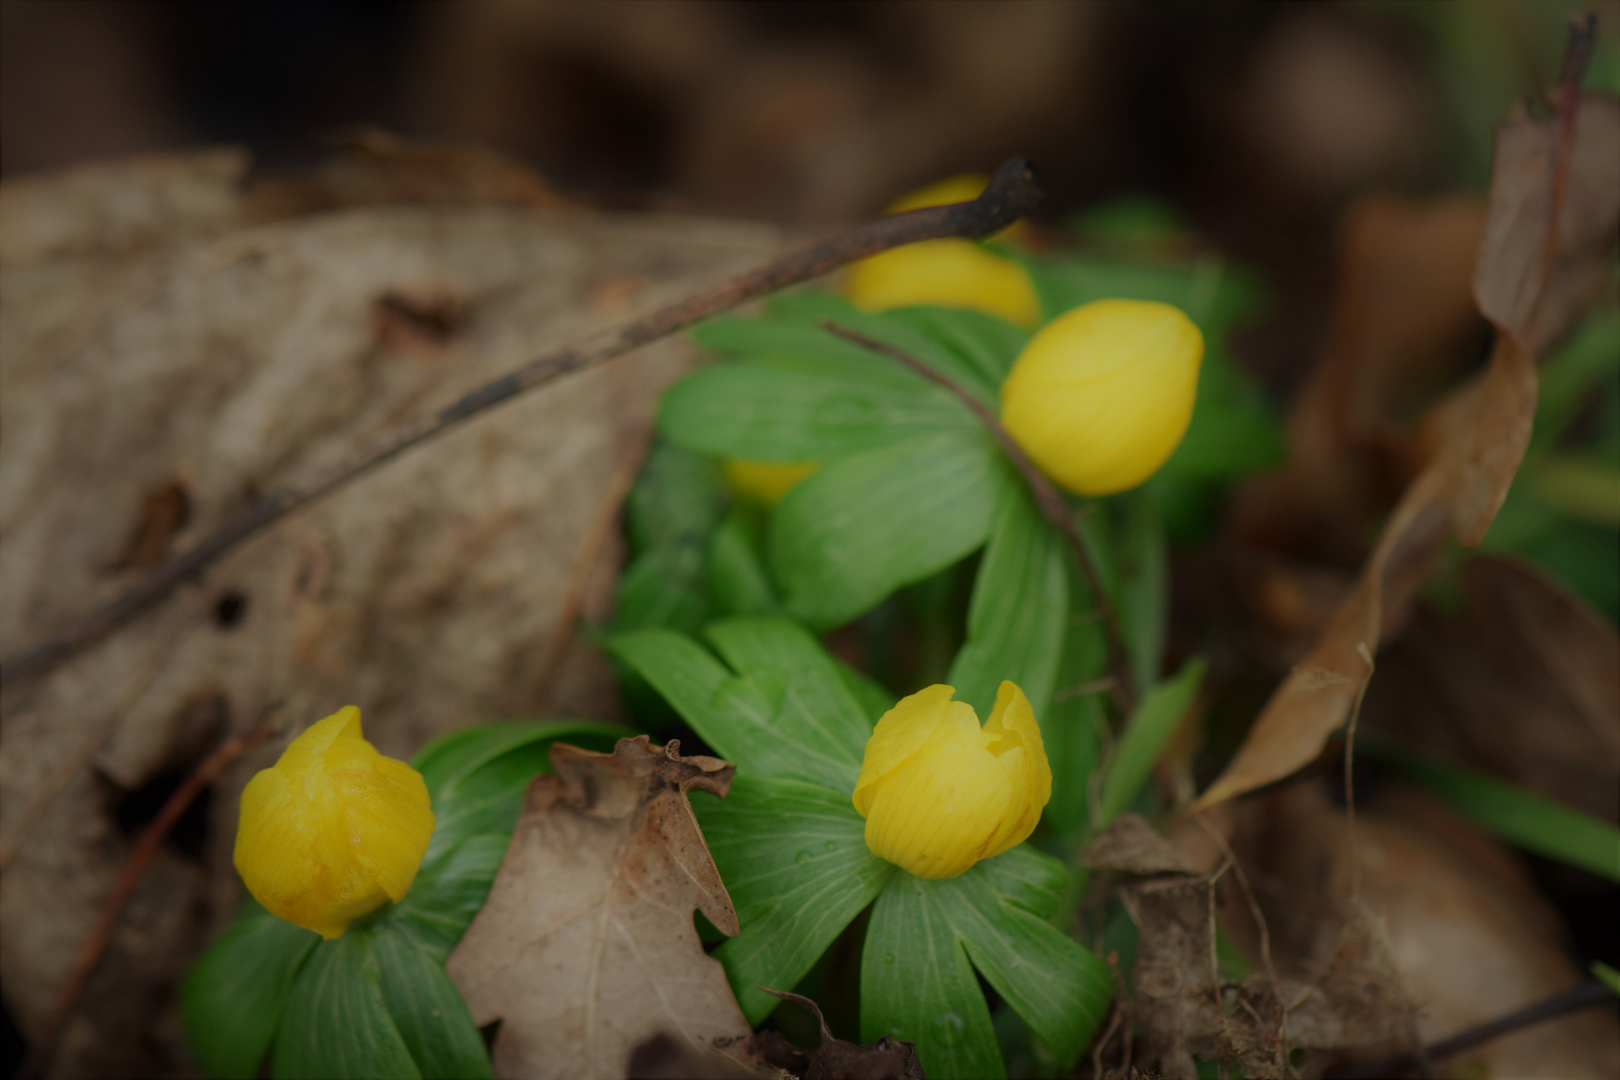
x: 1047, y: 497
x: 96, y: 943
x: 1011, y: 194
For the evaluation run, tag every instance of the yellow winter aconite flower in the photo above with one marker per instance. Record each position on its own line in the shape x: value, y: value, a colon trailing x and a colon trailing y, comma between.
x: 951, y: 272
x: 334, y: 829
x: 764, y: 483
x: 1102, y: 394
x: 939, y: 792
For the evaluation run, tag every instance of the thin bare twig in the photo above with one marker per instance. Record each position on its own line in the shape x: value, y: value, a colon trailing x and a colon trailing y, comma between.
x: 1011, y: 194
x: 96, y: 943
x: 1047, y: 497
x: 1581, y: 997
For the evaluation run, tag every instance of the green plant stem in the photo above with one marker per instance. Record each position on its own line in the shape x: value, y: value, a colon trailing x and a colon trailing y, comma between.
x: 1047, y: 497
x: 1011, y: 194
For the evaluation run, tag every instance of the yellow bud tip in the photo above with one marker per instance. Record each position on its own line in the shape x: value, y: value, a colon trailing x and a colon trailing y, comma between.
x: 1101, y: 396
x: 948, y: 272
x: 333, y: 830
x: 939, y: 792
x: 764, y: 483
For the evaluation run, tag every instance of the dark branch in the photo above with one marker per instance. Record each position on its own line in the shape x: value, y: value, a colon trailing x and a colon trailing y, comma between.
x: 1047, y: 497
x: 1011, y: 194
x: 1581, y: 997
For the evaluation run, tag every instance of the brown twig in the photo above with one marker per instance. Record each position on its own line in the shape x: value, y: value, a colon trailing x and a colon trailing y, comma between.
x: 1583, y: 996
x: 1011, y: 194
x: 96, y: 943
x: 1047, y: 497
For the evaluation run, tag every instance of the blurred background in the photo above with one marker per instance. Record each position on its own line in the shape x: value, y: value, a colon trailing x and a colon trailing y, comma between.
x: 1255, y: 121
x: 1249, y: 126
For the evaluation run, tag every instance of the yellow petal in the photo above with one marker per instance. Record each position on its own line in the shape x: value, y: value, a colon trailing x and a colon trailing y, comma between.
x: 1101, y: 396
x: 948, y: 272
x: 765, y: 483
x: 939, y: 792
x: 900, y: 732
x: 333, y: 830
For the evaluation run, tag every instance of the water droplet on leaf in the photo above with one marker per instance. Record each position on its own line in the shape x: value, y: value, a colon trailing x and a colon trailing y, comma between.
x: 802, y: 857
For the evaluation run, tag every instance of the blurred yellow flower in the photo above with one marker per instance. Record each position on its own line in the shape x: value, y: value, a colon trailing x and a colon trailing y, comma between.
x: 939, y: 792
x: 950, y: 272
x: 1102, y: 394
x: 764, y: 483
x: 334, y: 829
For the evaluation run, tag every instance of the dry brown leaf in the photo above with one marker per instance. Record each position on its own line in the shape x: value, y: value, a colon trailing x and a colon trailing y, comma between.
x: 586, y: 946
x: 1523, y: 682
x: 1530, y: 287
x: 1133, y: 846
x: 1462, y: 928
x: 835, y: 1058
x: 156, y: 332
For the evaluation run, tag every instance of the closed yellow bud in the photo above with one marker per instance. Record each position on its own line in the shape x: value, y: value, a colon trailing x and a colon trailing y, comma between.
x: 764, y: 483
x: 1101, y: 395
x: 334, y: 829
x: 950, y: 272
x: 939, y: 792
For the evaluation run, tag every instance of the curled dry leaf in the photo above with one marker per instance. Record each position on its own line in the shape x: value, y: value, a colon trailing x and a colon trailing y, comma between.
x: 1560, y: 174
x: 1523, y: 682
x: 586, y: 946
x: 1132, y: 845
x: 835, y: 1058
x: 1345, y: 996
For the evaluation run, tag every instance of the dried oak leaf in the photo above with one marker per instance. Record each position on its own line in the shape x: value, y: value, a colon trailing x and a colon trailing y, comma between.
x: 835, y: 1058
x: 586, y: 946
x: 1560, y: 174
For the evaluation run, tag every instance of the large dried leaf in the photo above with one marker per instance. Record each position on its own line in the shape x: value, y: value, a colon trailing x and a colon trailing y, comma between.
x: 1530, y: 282
x: 586, y: 945
x: 164, y: 330
x: 1467, y: 935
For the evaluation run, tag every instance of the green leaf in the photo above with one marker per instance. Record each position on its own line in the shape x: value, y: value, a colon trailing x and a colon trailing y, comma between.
x: 795, y: 862
x: 867, y: 524
x: 1214, y: 294
x: 872, y: 698
x: 428, y: 1010
x: 1019, y: 611
x: 233, y: 999
x: 787, y: 711
x: 447, y: 893
x: 337, y: 1024
x: 1071, y: 725
x: 476, y: 778
x: 1591, y: 355
x: 929, y: 339
x: 1144, y: 588
x: 677, y: 496
x: 1518, y: 816
x: 671, y: 510
x: 1607, y: 974
x: 738, y: 581
x: 1144, y: 737
x: 1060, y: 989
x: 1233, y: 431
x: 762, y: 413
x: 985, y: 345
x: 916, y: 983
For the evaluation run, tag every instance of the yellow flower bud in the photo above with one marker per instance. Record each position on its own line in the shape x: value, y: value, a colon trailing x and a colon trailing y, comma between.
x: 950, y: 272
x: 764, y: 483
x: 333, y: 830
x: 1101, y: 395
x: 939, y: 792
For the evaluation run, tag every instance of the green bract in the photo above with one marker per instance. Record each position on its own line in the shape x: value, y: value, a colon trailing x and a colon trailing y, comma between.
x: 376, y: 1001
x: 791, y: 849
